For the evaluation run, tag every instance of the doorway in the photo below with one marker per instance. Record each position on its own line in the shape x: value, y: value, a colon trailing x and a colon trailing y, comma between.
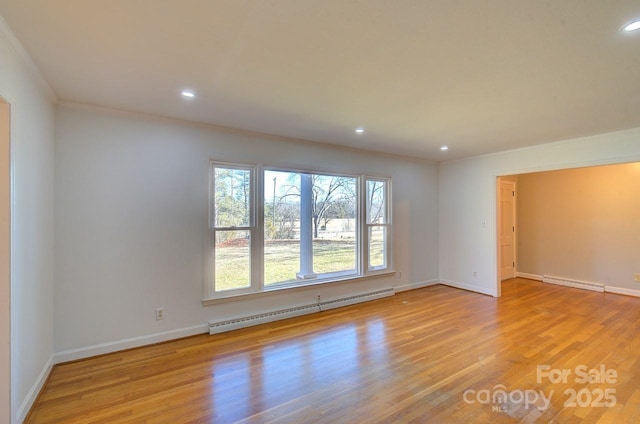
x: 507, y: 228
x: 5, y: 262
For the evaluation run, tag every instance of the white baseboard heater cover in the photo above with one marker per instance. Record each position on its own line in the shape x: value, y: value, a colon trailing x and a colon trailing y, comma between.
x: 248, y: 321
x: 578, y: 284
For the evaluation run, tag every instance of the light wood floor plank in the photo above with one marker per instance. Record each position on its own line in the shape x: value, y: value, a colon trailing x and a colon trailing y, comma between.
x: 409, y: 358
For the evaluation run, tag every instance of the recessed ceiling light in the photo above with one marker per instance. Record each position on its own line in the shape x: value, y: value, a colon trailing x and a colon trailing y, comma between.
x: 359, y: 130
x: 444, y: 148
x: 188, y: 94
x: 632, y: 26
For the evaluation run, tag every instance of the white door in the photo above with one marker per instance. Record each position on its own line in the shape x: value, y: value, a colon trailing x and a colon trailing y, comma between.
x: 507, y: 230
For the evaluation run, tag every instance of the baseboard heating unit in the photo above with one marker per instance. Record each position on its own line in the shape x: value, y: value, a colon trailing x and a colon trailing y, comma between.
x: 577, y: 284
x: 248, y: 321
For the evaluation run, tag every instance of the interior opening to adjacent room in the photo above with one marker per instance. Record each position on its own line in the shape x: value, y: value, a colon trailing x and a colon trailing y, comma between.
x: 575, y: 226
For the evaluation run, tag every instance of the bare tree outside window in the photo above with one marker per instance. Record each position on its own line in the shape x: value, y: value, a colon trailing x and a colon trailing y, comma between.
x: 306, y: 226
x: 333, y: 220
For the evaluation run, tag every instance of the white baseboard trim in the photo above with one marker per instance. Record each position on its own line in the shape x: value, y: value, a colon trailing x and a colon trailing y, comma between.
x: 33, y: 393
x: 101, y: 349
x: 620, y: 290
x: 464, y: 286
x: 529, y: 276
x: 418, y: 285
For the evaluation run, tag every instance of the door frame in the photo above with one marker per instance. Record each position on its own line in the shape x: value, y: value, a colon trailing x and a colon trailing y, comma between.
x: 498, y: 216
x: 6, y: 267
x: 515, y: 219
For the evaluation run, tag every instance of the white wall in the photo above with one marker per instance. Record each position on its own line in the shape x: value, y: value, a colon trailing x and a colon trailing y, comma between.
x: 32, y: 272
x: 131, y: 223
x: 468, y: 199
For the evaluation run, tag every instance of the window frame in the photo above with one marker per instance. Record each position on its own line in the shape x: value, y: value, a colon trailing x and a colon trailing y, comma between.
x: 329, y: 276
x: 251, y: 228
x: 388, y: 242
x: 256, y: 230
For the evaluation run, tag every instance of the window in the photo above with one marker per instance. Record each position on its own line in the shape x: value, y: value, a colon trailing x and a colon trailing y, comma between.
x: 310, y: 226
x: 232, y: 216
x: 377, y: 223
x: 306, y: 228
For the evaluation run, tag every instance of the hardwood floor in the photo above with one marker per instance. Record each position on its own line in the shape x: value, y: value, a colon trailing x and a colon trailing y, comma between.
x: 414, y: 357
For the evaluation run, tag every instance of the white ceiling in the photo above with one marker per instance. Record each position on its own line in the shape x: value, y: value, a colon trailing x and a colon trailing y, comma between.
x: 479, y: 76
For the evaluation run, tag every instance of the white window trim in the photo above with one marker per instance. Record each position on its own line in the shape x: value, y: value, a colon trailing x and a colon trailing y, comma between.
x: 256, y: 230
x: 279, y: 290
x: 252, y: 228
x: 366, y: 226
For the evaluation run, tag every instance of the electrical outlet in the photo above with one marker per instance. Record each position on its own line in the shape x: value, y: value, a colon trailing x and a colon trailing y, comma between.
x: 318, y: 298
x: 159, y: 314
x: 475, y: 273
x: 636, y: 277
x: 400, y: 274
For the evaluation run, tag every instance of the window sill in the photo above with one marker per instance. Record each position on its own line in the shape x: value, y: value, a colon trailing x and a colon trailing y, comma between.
x: 299, y: 286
